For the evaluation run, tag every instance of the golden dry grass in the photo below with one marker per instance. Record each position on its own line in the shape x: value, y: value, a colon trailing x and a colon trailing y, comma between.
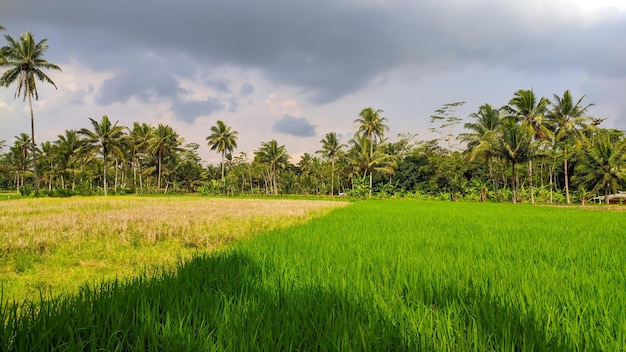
x: 57, y: 244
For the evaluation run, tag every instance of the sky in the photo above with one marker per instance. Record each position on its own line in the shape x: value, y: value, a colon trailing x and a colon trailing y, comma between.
x: 294, y: 70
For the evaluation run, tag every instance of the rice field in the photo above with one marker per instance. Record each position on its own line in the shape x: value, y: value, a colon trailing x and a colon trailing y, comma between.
x: 50, y: 246
x: 378, y: 275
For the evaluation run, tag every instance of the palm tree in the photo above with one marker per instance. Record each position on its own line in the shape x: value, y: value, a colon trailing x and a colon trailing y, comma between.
x: 602, y: 166
x: 330, y: 148
x: 565, y: 118
x: 223, y: 139
x: 140, y: 137
x: 531, y: 113
x: 105, y: 138
x: 69, y: 147
x: 25, y: 59
x: 483, y: 132
x: 371, y: 125
x: 274, y: 157
x: 378, y: 161
x: 164, y: 143
x: 20, y: 155
x: 514, y: 144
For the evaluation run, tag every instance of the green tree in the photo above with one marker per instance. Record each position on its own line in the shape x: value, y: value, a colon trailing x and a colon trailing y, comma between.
x: 513, y: 144
x: 164, y: 143
x: 20, y: 156
x: 531, y: 112
x: 222, y: 139
x: 602, y: 166
x: 275, y: 158
x: 331, y: 146
x: 446, y: 116
x: 482, y: 134
x: 363, y: 162
x: 26, y: 62
x: 69, y: 149
x: 371, y: 125
x: 106, y: 138
x: 567, y: 119
x: 139, y: 137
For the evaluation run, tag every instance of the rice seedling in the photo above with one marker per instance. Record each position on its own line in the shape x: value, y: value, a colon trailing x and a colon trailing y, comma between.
x: 377, y: 275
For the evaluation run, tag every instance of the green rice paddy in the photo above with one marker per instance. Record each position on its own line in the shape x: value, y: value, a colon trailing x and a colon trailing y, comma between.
x: 374, y: 276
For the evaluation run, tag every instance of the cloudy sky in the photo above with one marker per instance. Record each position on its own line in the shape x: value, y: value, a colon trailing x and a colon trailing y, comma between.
x: 294, y: 70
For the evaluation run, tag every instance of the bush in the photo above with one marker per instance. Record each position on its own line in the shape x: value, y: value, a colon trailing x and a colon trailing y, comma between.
x: 26, y: 190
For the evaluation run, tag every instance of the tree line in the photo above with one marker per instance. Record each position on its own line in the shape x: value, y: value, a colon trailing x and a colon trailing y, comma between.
x: 531, y: 149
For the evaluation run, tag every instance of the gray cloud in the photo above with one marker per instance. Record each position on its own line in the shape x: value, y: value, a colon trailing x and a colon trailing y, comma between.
x: 331, y: 48
x: 221, y: 85
x: 189, y: 111
x: 294, y: 126
x: 246, y: 90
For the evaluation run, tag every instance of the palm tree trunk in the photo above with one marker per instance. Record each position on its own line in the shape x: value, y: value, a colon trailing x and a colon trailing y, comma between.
x: 565, y: 173
x: 104, y: 171
x: 32, y: 131
x: 530, y: 176
x: 513, y: 186
x: 223, y: 180
x: 332, y: 177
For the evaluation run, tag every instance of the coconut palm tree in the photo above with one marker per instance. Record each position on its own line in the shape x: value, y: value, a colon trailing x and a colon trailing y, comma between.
x: 363, y: 161
x: 164, y: 143
x: 330, y: 148
x: 531, y: 112
x: 483, y: 132
x: 602, y: 167
x: 69, y: 148
x: 514, y: 144
x: 371, y: 125
x: 20, y: 156
x: 275, y: 158
x: 26, y: 62
x: 222, y: 139
x: 139, y: 137
x: 567, y: 120
x: 106, y: 138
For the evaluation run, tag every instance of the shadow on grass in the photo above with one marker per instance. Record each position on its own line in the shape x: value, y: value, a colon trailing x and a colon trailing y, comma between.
x: 220, y: 302
x: 216, y: 302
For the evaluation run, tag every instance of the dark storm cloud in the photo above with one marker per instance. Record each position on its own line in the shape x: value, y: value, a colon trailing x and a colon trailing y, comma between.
x: 327, y: 48
x: 294, y: 126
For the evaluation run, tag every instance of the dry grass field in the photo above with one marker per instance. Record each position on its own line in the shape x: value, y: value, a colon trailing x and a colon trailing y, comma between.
x: 55, y: 245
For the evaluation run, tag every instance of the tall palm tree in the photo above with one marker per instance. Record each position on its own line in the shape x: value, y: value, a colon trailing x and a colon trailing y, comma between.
x: 165, y: 143
x: 25, y: 59
x: 513, y: 144
x: 483, y: 132
x: 330, y: 148
x: 371, y: 125
x: 567, y: 120
x: 531, y: 112
x: 106, y: 138
x: 69, y: 147
x: 274, y: 157
x: 139, y: 137
x: 377, y: 161
x: 602, y: 166
x: 222, y: 139
x: 21, y: 156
